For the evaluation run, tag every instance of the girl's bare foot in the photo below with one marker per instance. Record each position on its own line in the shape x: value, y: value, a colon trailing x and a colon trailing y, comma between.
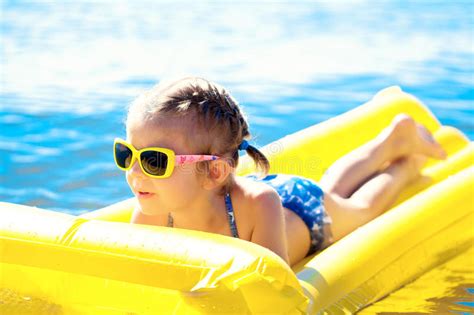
x: 409, y: 138
x: 415, y: 163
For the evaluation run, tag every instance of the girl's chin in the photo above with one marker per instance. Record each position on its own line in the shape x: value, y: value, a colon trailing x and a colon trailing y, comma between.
x: 151, y: 212
x: 150, y: 209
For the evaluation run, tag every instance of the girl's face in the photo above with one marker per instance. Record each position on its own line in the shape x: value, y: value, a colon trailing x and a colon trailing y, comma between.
x: 174, y: 193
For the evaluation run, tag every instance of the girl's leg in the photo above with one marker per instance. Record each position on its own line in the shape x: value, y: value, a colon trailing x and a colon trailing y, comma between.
x: 373, y: 198
x: 356, y: 191
x: 401, y: 138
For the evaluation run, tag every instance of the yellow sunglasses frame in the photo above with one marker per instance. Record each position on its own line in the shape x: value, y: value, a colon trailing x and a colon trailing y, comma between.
x: 136, y: 154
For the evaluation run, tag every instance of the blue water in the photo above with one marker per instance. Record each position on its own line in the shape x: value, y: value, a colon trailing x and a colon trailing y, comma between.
x: 68, y: 70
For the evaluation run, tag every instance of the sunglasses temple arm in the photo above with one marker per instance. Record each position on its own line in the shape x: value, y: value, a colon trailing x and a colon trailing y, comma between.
x: 182, y: 159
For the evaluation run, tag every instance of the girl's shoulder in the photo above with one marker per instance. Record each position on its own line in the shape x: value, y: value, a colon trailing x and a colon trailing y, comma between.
x: 254, y: 197
x: 251, y: 188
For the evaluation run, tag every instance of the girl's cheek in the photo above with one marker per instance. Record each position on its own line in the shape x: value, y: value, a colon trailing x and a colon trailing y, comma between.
x: 183, y: 170
x: 128, y: 178
x: 187, y: 175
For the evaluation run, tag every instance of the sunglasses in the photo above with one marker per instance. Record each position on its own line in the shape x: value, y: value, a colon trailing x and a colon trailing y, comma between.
x: 154, y: 162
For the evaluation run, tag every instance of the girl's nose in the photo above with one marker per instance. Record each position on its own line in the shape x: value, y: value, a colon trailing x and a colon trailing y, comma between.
x: 136, y: 170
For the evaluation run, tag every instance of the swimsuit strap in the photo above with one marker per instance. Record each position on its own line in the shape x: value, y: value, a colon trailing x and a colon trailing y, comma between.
x: 230, y: 216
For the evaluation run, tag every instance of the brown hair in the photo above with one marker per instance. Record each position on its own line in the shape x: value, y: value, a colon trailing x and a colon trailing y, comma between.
x: 207, y: 111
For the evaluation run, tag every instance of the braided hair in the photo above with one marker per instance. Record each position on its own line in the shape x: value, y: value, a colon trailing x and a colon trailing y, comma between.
x: 209, y: 112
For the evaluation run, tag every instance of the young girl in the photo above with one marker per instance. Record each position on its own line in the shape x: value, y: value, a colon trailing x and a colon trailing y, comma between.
x: 185, y: 137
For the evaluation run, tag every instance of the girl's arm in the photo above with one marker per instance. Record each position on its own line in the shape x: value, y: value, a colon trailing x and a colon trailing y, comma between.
x: 269, y: 230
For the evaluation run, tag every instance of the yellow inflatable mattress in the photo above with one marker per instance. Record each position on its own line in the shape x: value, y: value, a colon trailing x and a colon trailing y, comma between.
x: 98, y: 263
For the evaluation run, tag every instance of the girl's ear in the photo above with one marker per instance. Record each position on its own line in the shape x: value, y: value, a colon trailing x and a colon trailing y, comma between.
x: 219, y: 170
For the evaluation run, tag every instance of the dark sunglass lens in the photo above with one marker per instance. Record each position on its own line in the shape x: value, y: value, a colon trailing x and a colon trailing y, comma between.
x: 154, y: 162
x: 123, y: 155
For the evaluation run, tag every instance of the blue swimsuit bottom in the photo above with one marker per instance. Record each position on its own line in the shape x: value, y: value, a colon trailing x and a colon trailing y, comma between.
x: 304, y: 197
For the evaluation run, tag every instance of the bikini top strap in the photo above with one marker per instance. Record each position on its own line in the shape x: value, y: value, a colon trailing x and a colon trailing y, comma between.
x: 230, y: 215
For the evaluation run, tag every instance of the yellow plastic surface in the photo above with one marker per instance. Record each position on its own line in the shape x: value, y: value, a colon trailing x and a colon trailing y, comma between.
x: 54, y: 263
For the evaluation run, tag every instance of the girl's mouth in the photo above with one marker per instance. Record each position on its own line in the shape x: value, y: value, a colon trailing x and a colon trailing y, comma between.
x: 144, y: 195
